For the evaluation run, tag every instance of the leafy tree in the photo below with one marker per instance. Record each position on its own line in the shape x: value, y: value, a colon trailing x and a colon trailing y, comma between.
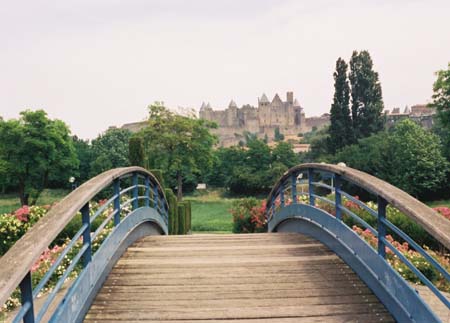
x: 441, y: 96
x: 136, y: 151
x: 180, y: 145
x: 278, y: 136
x: 35, y: 150
x: 110, y: 150
x: 283, y: 153
x: 367, y: 101
x: 409, y: 157
x: 84, y: 154
x: 341, y: 131
x: 417, y: 164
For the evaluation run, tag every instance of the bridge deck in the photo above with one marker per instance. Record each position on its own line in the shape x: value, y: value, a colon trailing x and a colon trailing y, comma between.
x: 249, y: 278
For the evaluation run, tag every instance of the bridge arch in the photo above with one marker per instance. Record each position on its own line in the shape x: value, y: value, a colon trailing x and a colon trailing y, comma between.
x: 286, y: 213
x: 144, y: 212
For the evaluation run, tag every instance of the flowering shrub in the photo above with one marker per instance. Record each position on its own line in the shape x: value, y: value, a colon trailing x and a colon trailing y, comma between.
x: 414, y: 257
x: 14, y: 225
x: 249, y: 216
x: 444, y: 211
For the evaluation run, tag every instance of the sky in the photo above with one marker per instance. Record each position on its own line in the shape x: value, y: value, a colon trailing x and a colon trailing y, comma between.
x: 100, y: 63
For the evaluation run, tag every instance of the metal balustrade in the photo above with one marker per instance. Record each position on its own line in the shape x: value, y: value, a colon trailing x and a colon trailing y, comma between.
x: 16, y: 263
x: 438, y: 227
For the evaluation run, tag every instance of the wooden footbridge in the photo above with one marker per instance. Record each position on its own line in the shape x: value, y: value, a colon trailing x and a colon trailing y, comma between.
x: 310, y: 266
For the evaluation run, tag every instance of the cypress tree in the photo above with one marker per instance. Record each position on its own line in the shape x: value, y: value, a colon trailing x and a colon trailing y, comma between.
x: 341, y: 131
x: 367, y: 101
x: 136, y: 151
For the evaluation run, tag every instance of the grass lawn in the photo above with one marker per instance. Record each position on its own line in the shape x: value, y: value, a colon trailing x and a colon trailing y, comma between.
x: 10, y: 202
x: 438, y: 203
x: 211, y: 212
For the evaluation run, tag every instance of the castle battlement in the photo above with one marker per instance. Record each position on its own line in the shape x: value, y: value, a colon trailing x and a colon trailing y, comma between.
x: 288, y: 116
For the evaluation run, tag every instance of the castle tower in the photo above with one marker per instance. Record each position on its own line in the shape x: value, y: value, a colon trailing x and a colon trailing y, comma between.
x: 290, y: 98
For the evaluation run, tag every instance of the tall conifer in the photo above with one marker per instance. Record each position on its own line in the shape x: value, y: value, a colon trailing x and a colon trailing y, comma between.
x: 367, y: 101
x: 341, y: 131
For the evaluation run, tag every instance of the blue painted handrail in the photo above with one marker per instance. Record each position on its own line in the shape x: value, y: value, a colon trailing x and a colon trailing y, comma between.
x: 433, y: 223
x: 46, y: 230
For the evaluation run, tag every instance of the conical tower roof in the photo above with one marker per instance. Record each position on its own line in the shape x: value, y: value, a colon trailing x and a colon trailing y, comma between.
x: 296, y: 103
x: 232, y: 104
x: 203, y: 106
x: 208, y: 106
x: 276, y: 99
x: 264, y: 99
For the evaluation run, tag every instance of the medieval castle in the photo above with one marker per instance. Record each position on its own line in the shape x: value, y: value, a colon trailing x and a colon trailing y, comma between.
x: 286, y: 116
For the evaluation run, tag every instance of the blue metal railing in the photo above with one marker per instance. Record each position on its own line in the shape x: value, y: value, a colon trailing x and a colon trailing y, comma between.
x: 276, y: 202
x: 152, y: 196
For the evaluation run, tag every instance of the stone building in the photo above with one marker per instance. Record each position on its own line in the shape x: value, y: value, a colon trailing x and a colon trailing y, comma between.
x: 420, y: 113
x: 288, y: 116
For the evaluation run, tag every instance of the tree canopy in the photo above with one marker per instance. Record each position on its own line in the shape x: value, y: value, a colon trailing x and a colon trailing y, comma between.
x: 341, y: 130
x: 409, y: 157
x: 110, y: 150
x: 179, y: 145
x: 35, y: 150
x: 367, y: 101
x: 441, y: 96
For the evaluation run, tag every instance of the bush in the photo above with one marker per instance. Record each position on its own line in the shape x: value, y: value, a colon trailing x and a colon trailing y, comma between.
x: 249, y: 216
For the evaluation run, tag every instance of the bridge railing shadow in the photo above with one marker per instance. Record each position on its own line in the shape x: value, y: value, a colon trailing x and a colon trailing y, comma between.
x: 126, y: 190
x: 327, y: 187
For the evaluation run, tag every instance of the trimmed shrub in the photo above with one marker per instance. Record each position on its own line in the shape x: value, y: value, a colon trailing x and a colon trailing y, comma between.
x: 136, y: 151
x: 173, y: 210
x: 181, y: 218
x: 188, y: 216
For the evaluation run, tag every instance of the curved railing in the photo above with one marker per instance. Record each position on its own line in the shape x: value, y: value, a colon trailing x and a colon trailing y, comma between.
x: 142, y: 200
x: 284, y: 203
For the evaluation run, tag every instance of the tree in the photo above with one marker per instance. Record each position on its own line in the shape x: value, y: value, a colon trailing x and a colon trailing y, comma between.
x: 283, y: 153
x: 278, y: 136
x: 179, y: 145
x: 84, y: 153
x: 35, y: 150
x: 136, y: 154
x: 409, y: 157
x: 341, y: 132
x: 441, y: 96
x: 110, y: 150
x: 367, y: 101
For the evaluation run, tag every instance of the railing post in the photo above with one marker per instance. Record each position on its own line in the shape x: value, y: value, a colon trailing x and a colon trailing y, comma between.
x: 282, y: 195
x: 117, y: 201
x: 85, y: 218
x: 135, y: 191
x: 382, y: 203
x: 147, y: 191
x: 338, y: 196
x: 294, y: 188
x: 155, y: 197
x: 26, y: 292
x: 311, y: 187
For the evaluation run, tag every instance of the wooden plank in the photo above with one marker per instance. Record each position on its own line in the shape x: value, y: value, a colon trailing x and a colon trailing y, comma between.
x: 244, y: 278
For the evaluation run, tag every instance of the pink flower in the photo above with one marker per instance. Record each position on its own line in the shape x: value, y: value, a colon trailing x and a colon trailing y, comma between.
x: 21, y: 214
x: 443, y: 210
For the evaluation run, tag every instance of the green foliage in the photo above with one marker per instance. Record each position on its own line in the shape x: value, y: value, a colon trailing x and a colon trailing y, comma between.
x: 34, y: 152
x: 173, y: 209
x: 441, y: 96
x: 180, y: 145
x: 341, y: 130
x: 110, y: 150
x: 85, y: 156
x: 252, y: 169
x: 367, y: 101
x: 181, y: 218
x: 278, y: 136
x: 159, y: 175
x: 409, y: 157
x: 248, y: 216
x: 188, y: 224
x: 136, y: 151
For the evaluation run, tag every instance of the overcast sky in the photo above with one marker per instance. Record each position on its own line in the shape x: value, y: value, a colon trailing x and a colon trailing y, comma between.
x: 96, y: 63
